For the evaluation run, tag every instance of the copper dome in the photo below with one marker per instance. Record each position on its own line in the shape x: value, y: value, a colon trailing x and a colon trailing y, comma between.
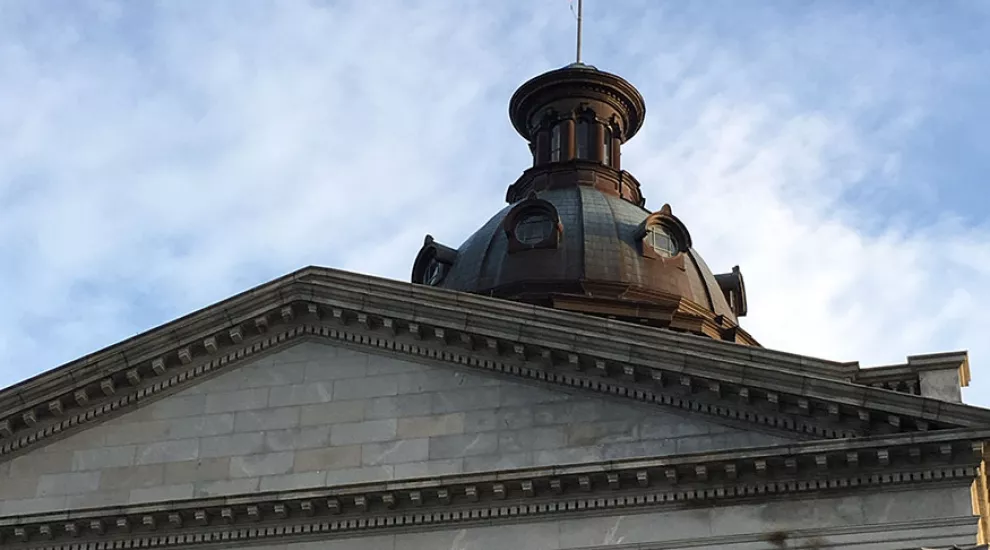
x: 576, y: 235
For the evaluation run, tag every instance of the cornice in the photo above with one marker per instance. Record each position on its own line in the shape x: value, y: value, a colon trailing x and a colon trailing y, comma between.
x: 906, y: 377
x: 708, y: 479
x: 426, y: 324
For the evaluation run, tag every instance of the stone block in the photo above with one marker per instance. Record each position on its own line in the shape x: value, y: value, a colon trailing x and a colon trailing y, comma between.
x: 266, y: 419
x: 203, y: 469
x: 432, y: 379
x: 36, y: 464
x: 531, y: 439
x: 297, y: 438
x: 162, y: 493
x: 638, y: 449
x: 262, y: 465
x: 232, y: 445
x: 332, y: 458
x: 395, y: 452
x: 500, y: 461
x: 571, y: 412
x: 167, y: 451
x: 239, y: 400
x: 944, y: 385
x: 92, y: 437
x: 201, y: 426
x: 98, y: 499
x: 104, y: 457
x: 332, y: 413
x: 601, y: 433
x: 361, y: 388
x: 369, y: 431
x: 670, y: 426
x: 177, y: 406
x: 130, y: 433
x: 573, y: 455
x: 292, y: 482
x: 18, y: 488
x: 471, y: 399
x: 518, y: 396
x: 378, y: 364
x: 306, y: 351
x: 225, y: 487
x: 31, y: 505
x: 223, y: 383
x: 50, y: 485
x: 513, y: 418
x: 398, y: 406
x: 132, y: 477
x: 464, y: 445
x: 427, y: 426
x: 360, y: 475
x: 428, y: 468
x: 270, y: 375
x: 301, y: 394
x: 346, y: 365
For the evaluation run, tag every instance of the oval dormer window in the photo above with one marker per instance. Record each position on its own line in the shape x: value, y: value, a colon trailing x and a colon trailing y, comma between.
x: 662, y: 242
x: 433, y: 263
x: 533, y: 228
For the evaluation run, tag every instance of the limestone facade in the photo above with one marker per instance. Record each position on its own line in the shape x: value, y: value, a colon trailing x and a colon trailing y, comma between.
x: 344, y: 411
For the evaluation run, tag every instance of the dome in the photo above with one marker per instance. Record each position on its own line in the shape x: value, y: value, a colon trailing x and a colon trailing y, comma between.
x: 576, y: 235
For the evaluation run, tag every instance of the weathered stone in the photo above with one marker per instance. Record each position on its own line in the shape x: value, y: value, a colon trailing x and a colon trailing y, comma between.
x: 333, y: 458
x: 395, y: 452
x: 363, y: 432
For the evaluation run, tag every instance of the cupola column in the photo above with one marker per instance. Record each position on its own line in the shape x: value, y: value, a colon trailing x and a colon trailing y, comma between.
x: 567, y: 134
x: 542, y: 155
x: 616, y: 147
x: 598, y: 141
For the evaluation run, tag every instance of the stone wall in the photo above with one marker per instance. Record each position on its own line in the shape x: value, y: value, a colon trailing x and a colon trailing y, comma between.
x: 314, y: 415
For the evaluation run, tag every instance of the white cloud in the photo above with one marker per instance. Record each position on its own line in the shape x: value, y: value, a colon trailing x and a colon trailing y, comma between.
x: 154, y: 162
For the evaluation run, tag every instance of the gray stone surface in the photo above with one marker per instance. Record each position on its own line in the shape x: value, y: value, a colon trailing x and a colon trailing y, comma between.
x: 316, y: 414
x: 941, y: 384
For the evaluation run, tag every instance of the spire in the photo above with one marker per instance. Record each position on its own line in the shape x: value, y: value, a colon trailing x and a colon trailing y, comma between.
x: 580, y: 4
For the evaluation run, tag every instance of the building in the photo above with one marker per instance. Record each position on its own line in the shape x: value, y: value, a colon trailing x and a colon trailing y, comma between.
x: 573, y: 376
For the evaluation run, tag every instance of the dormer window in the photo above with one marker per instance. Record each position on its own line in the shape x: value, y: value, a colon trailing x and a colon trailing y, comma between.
x: 662, y: 242
x: 435, y: 271
x: 555, y: 143
x: 533, y: 228
x: 433, y: 263
x: 583, y: 139
x: 663, y: 236
x: 532, y: 223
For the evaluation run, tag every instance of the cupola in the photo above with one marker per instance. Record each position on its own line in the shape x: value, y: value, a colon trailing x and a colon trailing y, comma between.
x: 576, y: 234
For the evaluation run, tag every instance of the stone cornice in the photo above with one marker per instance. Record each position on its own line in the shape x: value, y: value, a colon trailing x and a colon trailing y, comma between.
x: 906, y: 377
x: 734, y: 382
x: 716, y: 478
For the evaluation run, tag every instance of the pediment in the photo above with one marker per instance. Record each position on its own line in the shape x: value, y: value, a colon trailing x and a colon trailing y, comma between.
x: 728, y: 383
x: 311, y: 414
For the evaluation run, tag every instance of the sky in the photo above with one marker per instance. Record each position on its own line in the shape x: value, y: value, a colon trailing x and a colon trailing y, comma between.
x: 160, y: 156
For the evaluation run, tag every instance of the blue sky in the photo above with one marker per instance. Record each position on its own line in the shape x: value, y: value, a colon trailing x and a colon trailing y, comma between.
x: 156, y: 157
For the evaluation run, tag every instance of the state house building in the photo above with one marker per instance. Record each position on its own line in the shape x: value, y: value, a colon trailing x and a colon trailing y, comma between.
x: 573, y: 376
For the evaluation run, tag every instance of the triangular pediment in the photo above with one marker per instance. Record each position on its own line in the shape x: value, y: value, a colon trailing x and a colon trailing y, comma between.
x: 313, y: 414
x: 728, y: 383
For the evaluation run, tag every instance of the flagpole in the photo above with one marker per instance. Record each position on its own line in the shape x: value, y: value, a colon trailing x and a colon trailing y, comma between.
x: 579, y: 3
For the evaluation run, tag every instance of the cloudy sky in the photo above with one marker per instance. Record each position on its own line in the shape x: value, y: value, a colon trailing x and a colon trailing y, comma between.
x: 156, y: 157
